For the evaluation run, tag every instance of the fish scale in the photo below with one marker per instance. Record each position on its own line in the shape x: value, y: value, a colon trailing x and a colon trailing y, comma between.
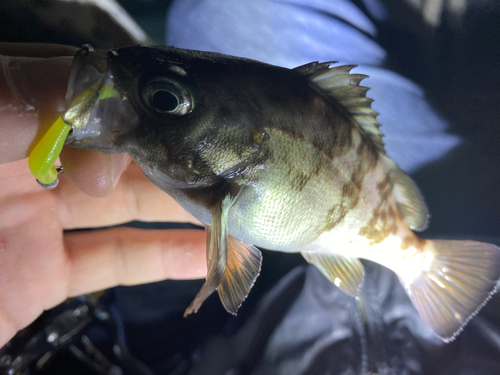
x: 297, y: 215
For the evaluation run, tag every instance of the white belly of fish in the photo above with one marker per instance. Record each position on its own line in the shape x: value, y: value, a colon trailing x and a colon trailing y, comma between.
x: 272, y: 220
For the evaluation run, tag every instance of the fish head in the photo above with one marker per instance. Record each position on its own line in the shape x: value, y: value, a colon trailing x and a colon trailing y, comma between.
x: 192, y: 117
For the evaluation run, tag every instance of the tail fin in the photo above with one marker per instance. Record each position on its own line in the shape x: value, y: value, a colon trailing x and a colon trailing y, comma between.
x: 461, y: 278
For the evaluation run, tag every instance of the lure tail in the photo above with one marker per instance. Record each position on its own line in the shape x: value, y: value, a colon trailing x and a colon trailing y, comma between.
x: 459, y: 279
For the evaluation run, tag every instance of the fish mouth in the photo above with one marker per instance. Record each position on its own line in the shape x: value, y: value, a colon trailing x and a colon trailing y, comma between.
x: 97, y: 111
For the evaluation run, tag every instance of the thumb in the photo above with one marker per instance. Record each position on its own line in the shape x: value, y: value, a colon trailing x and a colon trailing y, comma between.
x: 32, y: 95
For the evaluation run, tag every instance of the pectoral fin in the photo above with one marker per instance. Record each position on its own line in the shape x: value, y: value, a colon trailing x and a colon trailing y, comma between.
x: 346, y: 273
x: 217, y: 243
x: 243, y: 268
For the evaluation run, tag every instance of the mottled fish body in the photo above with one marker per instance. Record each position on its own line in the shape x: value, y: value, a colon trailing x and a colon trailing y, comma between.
x: 287, y: 160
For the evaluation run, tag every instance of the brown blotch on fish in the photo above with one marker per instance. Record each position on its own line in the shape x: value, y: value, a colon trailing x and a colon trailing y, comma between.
x: 384, y: 220
x: 334, y: 217
x: 299, y: 181
x: 372, y: 233
x: 375, y: 235
x: 368, y: 153
x: 357, y: 176
x: 412, y: 242
x: 384, y: 188
x: 349, y: 199
x: 383, y: 216
x: 337, y: 143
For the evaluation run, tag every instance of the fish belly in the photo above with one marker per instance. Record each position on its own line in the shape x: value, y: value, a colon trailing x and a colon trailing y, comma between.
x: 302, y: 194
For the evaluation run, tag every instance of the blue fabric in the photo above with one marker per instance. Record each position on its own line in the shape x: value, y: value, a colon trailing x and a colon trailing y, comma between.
x: 290, y: 33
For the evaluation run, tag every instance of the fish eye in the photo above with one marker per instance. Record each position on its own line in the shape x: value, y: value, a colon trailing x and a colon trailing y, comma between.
x: 167, y: 97
x: 165, y: 101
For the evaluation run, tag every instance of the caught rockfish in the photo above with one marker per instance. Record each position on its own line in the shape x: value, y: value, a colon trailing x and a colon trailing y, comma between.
x: 287, y: 160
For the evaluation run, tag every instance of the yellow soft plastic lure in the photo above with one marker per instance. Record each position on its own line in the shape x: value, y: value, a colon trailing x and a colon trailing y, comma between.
x: 42, y: 157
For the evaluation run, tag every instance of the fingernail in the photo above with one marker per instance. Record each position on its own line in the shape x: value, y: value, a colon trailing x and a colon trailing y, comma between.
x: 36, y: 83
x: 119, y: 163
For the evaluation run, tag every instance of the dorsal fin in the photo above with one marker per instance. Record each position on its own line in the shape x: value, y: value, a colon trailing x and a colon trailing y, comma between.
x: 344, y: 88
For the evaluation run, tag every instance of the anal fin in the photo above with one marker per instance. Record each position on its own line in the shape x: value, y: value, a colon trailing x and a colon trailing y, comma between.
x: 346, y: 273
x: 243, y: 268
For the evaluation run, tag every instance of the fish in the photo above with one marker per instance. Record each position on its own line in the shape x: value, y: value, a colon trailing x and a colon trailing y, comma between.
x: 290, y: 160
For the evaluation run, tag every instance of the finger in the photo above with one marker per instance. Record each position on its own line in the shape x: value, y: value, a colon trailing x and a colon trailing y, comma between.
x: 92, y: 261
x: 36, y: 49
x: 134, y: 198
x: 33, y: 81
x: 32, y: 96
x: 124, y: 256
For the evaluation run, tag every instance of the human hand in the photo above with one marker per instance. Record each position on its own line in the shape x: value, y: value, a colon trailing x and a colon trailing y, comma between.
x: 40, y: 265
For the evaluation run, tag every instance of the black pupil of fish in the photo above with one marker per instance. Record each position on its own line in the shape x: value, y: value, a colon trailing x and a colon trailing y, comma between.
x: 165, y: 101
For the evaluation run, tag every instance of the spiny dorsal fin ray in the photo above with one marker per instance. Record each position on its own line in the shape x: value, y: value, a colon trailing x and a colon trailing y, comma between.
x: 344, y: 87
x: 346, y: 273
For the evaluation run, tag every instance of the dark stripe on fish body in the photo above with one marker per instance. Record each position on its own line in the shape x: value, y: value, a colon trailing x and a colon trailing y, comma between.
x: 299, y: 181
x: 382, y: 225
x: 349, y: 199
x: 367, y: 152
x: 412, y: 242
x: 384, y: 188
x: 372, y: 233
x: 351, y: 190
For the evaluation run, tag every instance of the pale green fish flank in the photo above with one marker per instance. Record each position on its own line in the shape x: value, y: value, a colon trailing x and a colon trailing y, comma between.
x: 287, y: 160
